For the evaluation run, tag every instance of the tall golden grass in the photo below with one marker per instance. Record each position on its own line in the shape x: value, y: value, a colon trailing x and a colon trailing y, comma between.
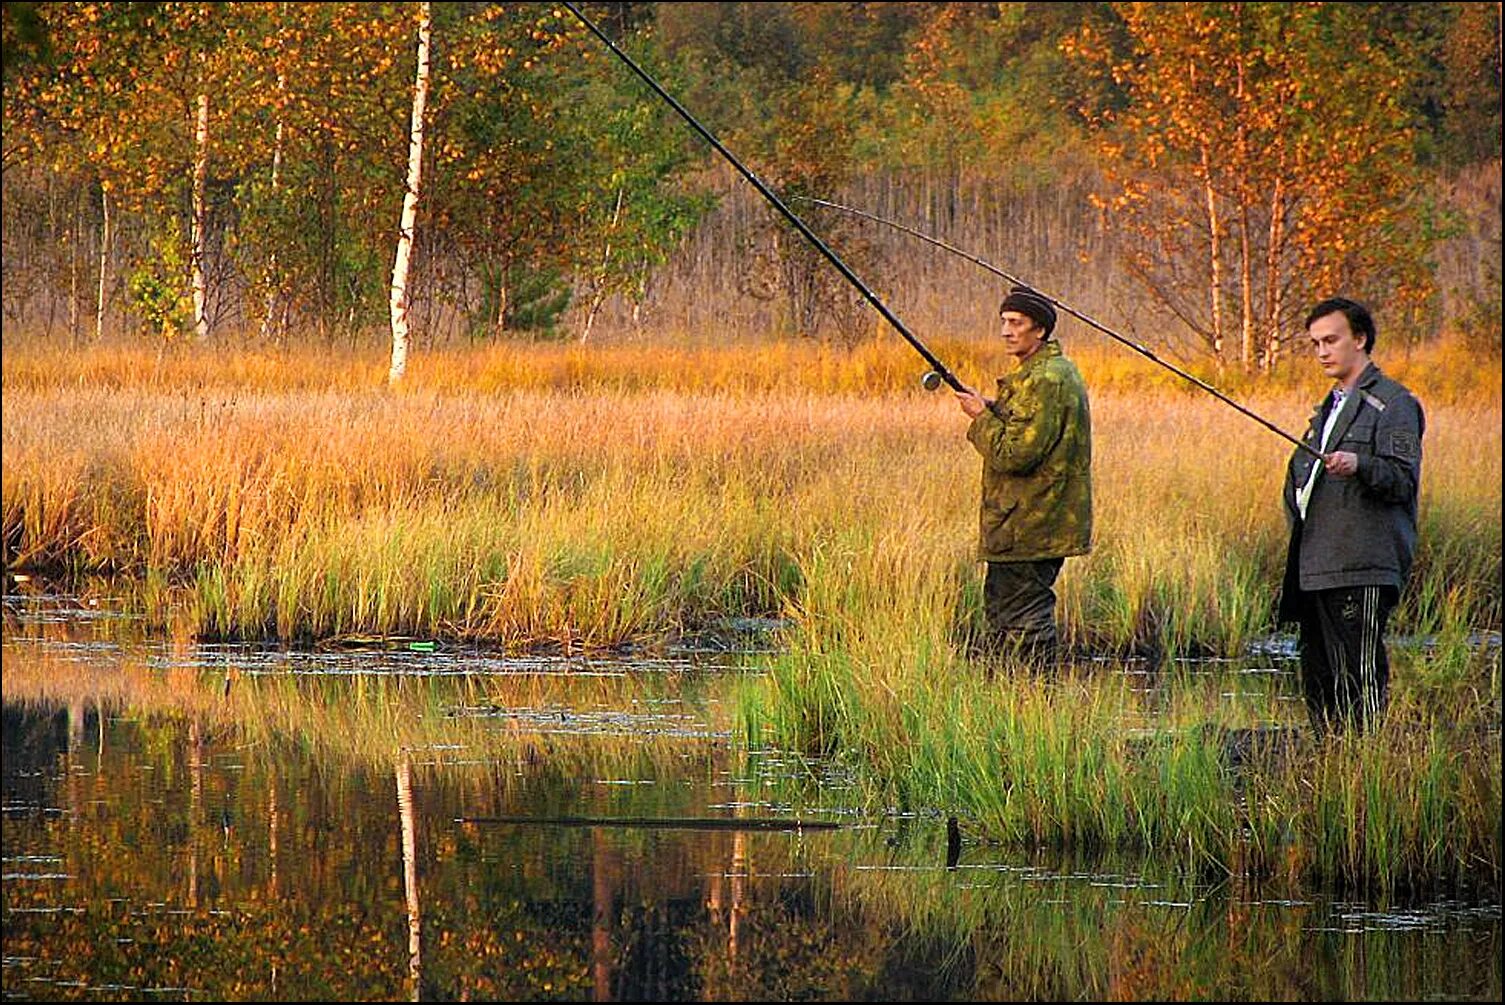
x: 611, y: 493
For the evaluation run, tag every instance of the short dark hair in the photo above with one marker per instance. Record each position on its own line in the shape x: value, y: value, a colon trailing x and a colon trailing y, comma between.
x: 1359, y: 319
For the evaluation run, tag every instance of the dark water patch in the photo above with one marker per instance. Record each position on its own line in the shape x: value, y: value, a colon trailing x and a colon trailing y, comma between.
x: 38, y: 606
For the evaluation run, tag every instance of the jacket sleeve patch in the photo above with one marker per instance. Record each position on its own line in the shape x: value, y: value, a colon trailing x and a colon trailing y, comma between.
x: 1404, y: 444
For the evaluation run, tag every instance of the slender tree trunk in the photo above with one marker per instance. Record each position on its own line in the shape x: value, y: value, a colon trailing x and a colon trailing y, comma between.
x: 1274, y: 300
x: 200, y: 181
x: 269, y: 328
x: 403, y: 260
x: 504, y: 270
x: 1214, y: 256
x: 1246, y: 252
x: 74, y: 239
x: 1246, y: 287
x: 598, y: 295
x: 52, y: 237
x: 104, y: 262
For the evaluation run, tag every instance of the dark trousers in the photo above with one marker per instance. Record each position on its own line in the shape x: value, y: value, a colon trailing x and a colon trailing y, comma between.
x: 1345, y: 672
x: 1019, y: 603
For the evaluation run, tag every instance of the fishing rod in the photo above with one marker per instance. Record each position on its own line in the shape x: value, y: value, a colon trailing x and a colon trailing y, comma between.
x: 932, y: 384
x: 937, y: 368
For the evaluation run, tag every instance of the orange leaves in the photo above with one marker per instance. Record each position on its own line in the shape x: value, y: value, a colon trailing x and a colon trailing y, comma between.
x: 1253, y: 157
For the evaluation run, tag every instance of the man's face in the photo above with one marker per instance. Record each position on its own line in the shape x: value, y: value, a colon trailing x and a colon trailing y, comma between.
x: 1339, y: 351
x: 1022, y: 335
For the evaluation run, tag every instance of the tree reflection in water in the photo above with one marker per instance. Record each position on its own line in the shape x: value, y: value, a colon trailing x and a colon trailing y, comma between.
x: 154, y: 845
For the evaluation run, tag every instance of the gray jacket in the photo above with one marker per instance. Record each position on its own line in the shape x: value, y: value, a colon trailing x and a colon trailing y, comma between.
x: 1358, y: 531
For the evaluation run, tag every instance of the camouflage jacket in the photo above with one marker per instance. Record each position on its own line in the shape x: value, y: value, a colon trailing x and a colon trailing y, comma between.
x: 1036, y: 447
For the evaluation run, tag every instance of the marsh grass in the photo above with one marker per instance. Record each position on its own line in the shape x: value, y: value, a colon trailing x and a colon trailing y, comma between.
x: 518, y: 495
x: 597, y: 498
x: 1064, y: 764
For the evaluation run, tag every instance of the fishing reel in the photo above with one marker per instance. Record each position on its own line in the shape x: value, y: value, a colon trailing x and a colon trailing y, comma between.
x: 931, y: 381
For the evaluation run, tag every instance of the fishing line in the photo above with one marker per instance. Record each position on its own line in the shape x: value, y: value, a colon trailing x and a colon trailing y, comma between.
x: 936, y: 366
x: 1142, y: 350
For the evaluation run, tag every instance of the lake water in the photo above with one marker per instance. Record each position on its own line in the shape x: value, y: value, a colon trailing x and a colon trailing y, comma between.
x: 185, y: 822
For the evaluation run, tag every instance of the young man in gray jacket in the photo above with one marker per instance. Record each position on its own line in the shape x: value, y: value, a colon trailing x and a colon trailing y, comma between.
x: 1353, y: 521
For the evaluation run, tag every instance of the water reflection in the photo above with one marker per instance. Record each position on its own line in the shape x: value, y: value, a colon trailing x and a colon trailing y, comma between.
x: 300, y: 837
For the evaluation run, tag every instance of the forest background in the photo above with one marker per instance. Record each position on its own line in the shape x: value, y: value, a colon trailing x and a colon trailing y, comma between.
x: 1195, y: 174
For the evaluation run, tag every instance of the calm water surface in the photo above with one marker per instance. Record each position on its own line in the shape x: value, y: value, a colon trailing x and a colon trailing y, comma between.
x: 230, y: 823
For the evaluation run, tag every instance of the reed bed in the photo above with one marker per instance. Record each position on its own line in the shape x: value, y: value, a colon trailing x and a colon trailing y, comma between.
x: 1221, y: 786
x: 631, y: 493
x: 551, y: 494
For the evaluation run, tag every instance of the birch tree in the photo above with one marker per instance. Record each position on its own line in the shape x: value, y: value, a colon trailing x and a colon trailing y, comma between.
x: 200, y: 214
x: 274, y: 316
x: 65, y: 112
x: 1258, y: 148
x: 410, y: 193
x: 318, y: 91
x: 105, y: 235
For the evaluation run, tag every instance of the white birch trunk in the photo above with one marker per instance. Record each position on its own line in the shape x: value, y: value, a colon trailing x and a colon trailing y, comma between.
x: 400, y: 265
x: 1214, y: 257
x: 1246, y: 288
x: 1274, y: 299
x: 598, y: 295
x: 74, y: 235
x: 272, y: 281
x: 104, y: 262
x: 200, y: 180
x: 1246, y: 252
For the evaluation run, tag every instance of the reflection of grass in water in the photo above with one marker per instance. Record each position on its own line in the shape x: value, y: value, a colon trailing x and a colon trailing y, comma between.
x: 1085, y: 762
x: 1112, y: 926
x: 450, y: 725
x: 1049, y: 931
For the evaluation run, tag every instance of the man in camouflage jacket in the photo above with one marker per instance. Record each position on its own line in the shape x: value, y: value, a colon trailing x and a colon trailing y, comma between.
x: 1035, y: 439
x: 1352, y: 517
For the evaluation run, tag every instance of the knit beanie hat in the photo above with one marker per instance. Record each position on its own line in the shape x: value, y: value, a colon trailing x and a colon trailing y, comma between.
x: 1026, y: 301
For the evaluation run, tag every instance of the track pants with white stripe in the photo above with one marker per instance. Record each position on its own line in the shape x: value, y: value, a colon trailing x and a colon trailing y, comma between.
x: 1344, y: 670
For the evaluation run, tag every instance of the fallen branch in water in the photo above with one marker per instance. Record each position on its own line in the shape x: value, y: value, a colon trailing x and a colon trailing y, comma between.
x: 669, y: 823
